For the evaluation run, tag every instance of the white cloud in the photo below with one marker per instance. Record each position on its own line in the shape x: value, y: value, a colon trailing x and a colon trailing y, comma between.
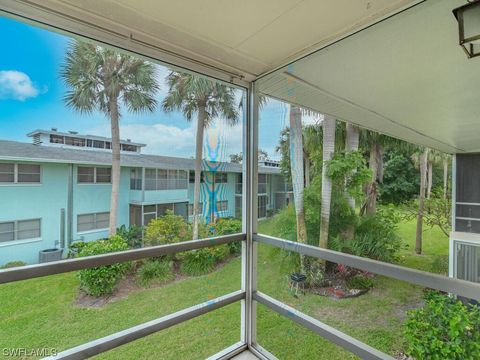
x: 16, y: 85
x: 171, y: 140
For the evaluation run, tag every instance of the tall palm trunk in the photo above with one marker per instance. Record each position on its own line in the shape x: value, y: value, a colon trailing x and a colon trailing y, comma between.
x: 307, y: 168
x: 421, y: 200
x: 115, y: 175
x: 371, y: 206
x: 445, y: 178
x: 296, y: 160
x: 430, y: 179
x: 328, y: 150
x: 351, y: 144
x: 202, y: 115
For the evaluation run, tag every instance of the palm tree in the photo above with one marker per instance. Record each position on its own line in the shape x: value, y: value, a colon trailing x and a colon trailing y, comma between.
x: 296, y: 166
x: 104, y: 79
x: 193, y: 94
x: 423, y: 162
x: 352, y: 139
x: 434, y: 158
x: 329, y: 127
x: 446, y: 162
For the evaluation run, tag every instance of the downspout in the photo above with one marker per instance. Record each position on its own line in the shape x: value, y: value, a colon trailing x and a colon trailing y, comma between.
x: 69, y: 205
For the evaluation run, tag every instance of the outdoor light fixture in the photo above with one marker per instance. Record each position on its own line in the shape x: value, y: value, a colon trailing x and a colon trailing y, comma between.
x: 468, y: 17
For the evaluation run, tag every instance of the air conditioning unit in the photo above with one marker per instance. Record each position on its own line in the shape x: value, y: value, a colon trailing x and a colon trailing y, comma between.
x: 465, y: 256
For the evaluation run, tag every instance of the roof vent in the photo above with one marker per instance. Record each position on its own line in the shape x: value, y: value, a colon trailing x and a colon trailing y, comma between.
x: 54, y: 129
x: 73, y: 132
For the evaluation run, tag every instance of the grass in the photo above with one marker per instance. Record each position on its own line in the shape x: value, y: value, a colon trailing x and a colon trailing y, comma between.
x: 40, y: 313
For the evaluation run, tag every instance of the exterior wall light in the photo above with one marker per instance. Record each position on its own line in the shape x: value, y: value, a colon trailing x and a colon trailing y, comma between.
x: 468, y: 17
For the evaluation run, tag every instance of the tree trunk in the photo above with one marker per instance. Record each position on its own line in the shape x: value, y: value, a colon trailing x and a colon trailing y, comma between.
x: 115, y: 174
x: 328, y: 150
x: 430, y: 179
x: 202, y: 115
x: 307, y: 169
x: 371, y: 206
x: 380, y: 164
x: 296, y: 166
x: 421, y: 200
x: 351, y: 144
x: 445, y: 178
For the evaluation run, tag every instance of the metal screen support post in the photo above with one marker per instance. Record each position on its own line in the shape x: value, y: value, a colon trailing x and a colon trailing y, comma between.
x: 249, y: 213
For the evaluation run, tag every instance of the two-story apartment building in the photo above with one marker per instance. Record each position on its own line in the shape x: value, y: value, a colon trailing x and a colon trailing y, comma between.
x: 57, y: 190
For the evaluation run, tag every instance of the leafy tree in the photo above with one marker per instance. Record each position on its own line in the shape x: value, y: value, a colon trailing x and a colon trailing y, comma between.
x: 352, y: 142
x: 400, y: 179
x: 103, y: 79
x: 238, y: 158
x: 208, y: 99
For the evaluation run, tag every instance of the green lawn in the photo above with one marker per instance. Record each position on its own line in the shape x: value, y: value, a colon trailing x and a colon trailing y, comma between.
x: 41, y: 313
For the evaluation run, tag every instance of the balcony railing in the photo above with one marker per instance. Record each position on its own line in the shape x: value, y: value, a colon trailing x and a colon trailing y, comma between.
x: 450, y: 285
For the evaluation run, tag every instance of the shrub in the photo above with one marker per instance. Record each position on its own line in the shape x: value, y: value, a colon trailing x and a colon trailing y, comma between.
x: 75, y: 247
x: 155, y: 270
x: 226, y: 226
x: 376, y: 236
x: 131, y: 234
x: 360, y: 282
x: 444, y: 328
x: 13, y: 264
x: 102, y: 280
x: 202, y: 261
x: 167, y: 229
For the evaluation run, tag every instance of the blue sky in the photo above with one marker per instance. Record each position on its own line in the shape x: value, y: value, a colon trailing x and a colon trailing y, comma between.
x: 31, y: 97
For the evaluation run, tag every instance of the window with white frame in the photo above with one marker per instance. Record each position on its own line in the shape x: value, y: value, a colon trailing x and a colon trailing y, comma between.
x: 191, y: 177
x: 262, y: 183
x: 239, y: 184
x: 221, y: 178
x: 222, y: 205
x: 136, y: 179
x: 20, y: 230
x: 20, y: 173
x: 93, y: 221
x: 163, y: 179
x: 94, y: 175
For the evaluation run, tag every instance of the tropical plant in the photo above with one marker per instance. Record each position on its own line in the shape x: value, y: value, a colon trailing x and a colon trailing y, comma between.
x: 202, y: 261
x: 166, y: 229
x: 155, y: 271
x: 444, y: 328
x: 352, y: 140
x: 226, y: 226
x: 102, y: 79
x: 132, y: 234
x: 194, y: 94
x: 103, y: 279
x: 349, y: 171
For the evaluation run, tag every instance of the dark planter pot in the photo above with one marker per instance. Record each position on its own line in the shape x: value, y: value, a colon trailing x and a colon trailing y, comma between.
x: 48, y: 255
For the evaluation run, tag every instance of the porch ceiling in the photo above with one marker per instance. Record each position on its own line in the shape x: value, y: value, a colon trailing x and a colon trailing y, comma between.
x: 405, y: 76
x: 245, y: 37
